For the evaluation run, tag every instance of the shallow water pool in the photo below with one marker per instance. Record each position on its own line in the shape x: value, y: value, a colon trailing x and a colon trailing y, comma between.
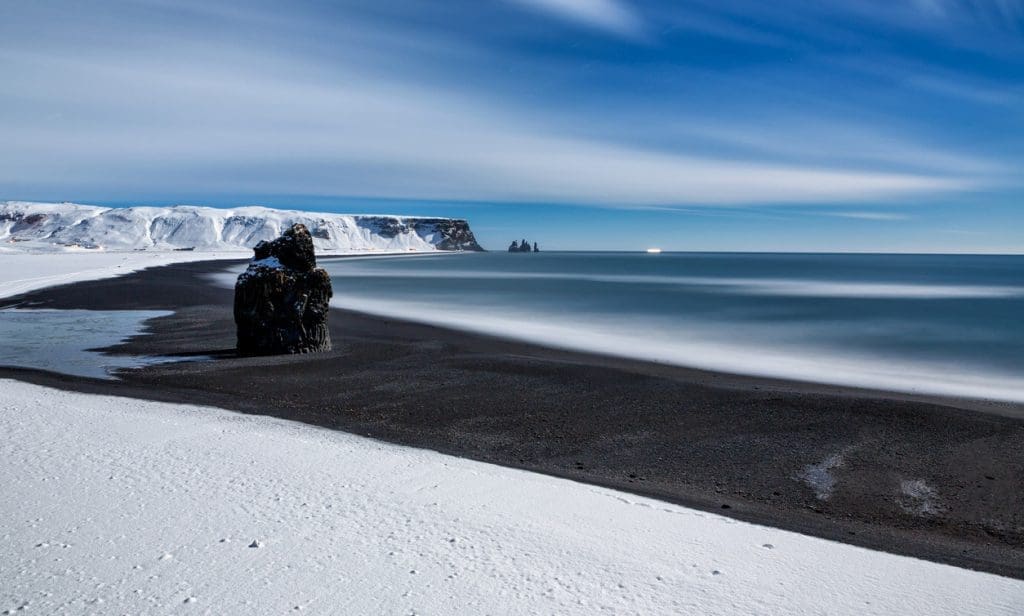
x: 61, y: 340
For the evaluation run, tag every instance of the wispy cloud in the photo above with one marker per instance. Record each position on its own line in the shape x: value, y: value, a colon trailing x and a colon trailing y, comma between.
x: 399, y: 100
x: 799, y: 140
x: 612, y: 16
x: 1003, y: 12
x: 869, y: 215
x: 265, y: 130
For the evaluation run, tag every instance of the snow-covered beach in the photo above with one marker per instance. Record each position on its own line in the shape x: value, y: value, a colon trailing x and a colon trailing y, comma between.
x: 25, y: 271
x: 114, y: 504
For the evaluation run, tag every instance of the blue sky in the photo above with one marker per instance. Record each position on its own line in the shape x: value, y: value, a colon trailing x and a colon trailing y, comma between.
x: 893, y: 125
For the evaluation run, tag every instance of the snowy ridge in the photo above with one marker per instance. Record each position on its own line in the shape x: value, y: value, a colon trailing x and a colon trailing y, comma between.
x: 26, y: 226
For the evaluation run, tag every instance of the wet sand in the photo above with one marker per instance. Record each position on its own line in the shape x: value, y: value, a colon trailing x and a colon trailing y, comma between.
x: 940, y: 479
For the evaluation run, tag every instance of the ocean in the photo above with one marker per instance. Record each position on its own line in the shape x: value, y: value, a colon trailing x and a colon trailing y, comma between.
x: 935, y: 324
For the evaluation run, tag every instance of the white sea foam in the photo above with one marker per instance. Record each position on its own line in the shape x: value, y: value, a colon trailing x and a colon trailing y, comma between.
x: 784, y: 287
x: 873, y: 290
x: 733, y: 348
x: 693, y: 348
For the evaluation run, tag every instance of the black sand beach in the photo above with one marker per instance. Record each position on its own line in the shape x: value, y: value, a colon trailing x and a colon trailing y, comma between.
x: 940, y: 479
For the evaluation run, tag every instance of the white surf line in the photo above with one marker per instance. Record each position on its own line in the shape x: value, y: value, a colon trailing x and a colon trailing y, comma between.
x: 614, y: 339
x: 783, y: 287
x: 117, y: 505
x: 608, y: 338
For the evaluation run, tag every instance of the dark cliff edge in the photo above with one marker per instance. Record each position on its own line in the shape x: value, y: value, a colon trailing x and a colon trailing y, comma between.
x: 445, y: 233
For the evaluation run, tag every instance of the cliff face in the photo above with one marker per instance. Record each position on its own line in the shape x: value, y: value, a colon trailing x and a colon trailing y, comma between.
x: 444, y: 233
x: 42, y: 226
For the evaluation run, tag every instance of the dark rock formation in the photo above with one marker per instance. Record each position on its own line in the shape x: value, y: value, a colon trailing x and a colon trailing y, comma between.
x: 455, y: 233
x: 445, y: 233
x: 523, y: 246
x: 281, y: 300
x: 320, y: 230
x: 22, y: 222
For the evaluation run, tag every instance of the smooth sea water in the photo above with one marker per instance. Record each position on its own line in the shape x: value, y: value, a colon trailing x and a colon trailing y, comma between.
x: 63, y: 340
x: 942, y: 324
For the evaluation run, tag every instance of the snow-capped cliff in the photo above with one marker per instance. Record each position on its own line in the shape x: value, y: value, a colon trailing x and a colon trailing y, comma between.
x: 57, y: 226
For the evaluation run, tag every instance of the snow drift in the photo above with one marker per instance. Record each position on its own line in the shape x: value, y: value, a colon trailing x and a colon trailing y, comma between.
x: 50, y: 226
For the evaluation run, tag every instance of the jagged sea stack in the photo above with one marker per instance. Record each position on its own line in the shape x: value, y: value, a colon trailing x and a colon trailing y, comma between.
x: 281, y: 300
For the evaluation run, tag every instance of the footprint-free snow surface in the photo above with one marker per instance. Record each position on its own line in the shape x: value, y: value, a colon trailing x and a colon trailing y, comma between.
x: 114, y: 505
x: 24, y: 272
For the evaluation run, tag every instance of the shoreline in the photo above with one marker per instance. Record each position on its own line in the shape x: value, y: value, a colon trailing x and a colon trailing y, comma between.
x: 420, y: 528
x: 726, y: 443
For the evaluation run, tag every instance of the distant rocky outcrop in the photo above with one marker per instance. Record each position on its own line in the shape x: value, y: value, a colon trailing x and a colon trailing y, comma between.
x: 455, y: 234
x: 523, y: 246
x: 444, y: 233
x: 281, y: 300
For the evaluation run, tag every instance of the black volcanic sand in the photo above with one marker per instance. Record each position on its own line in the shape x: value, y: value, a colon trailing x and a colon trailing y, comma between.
x: 728, y: 444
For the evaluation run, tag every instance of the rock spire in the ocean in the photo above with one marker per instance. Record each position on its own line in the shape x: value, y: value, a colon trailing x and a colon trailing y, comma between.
x: 522, y: 246
x: 281, y: 300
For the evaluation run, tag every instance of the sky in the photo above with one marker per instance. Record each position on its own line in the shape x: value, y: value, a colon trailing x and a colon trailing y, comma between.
x: 862, y: 125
